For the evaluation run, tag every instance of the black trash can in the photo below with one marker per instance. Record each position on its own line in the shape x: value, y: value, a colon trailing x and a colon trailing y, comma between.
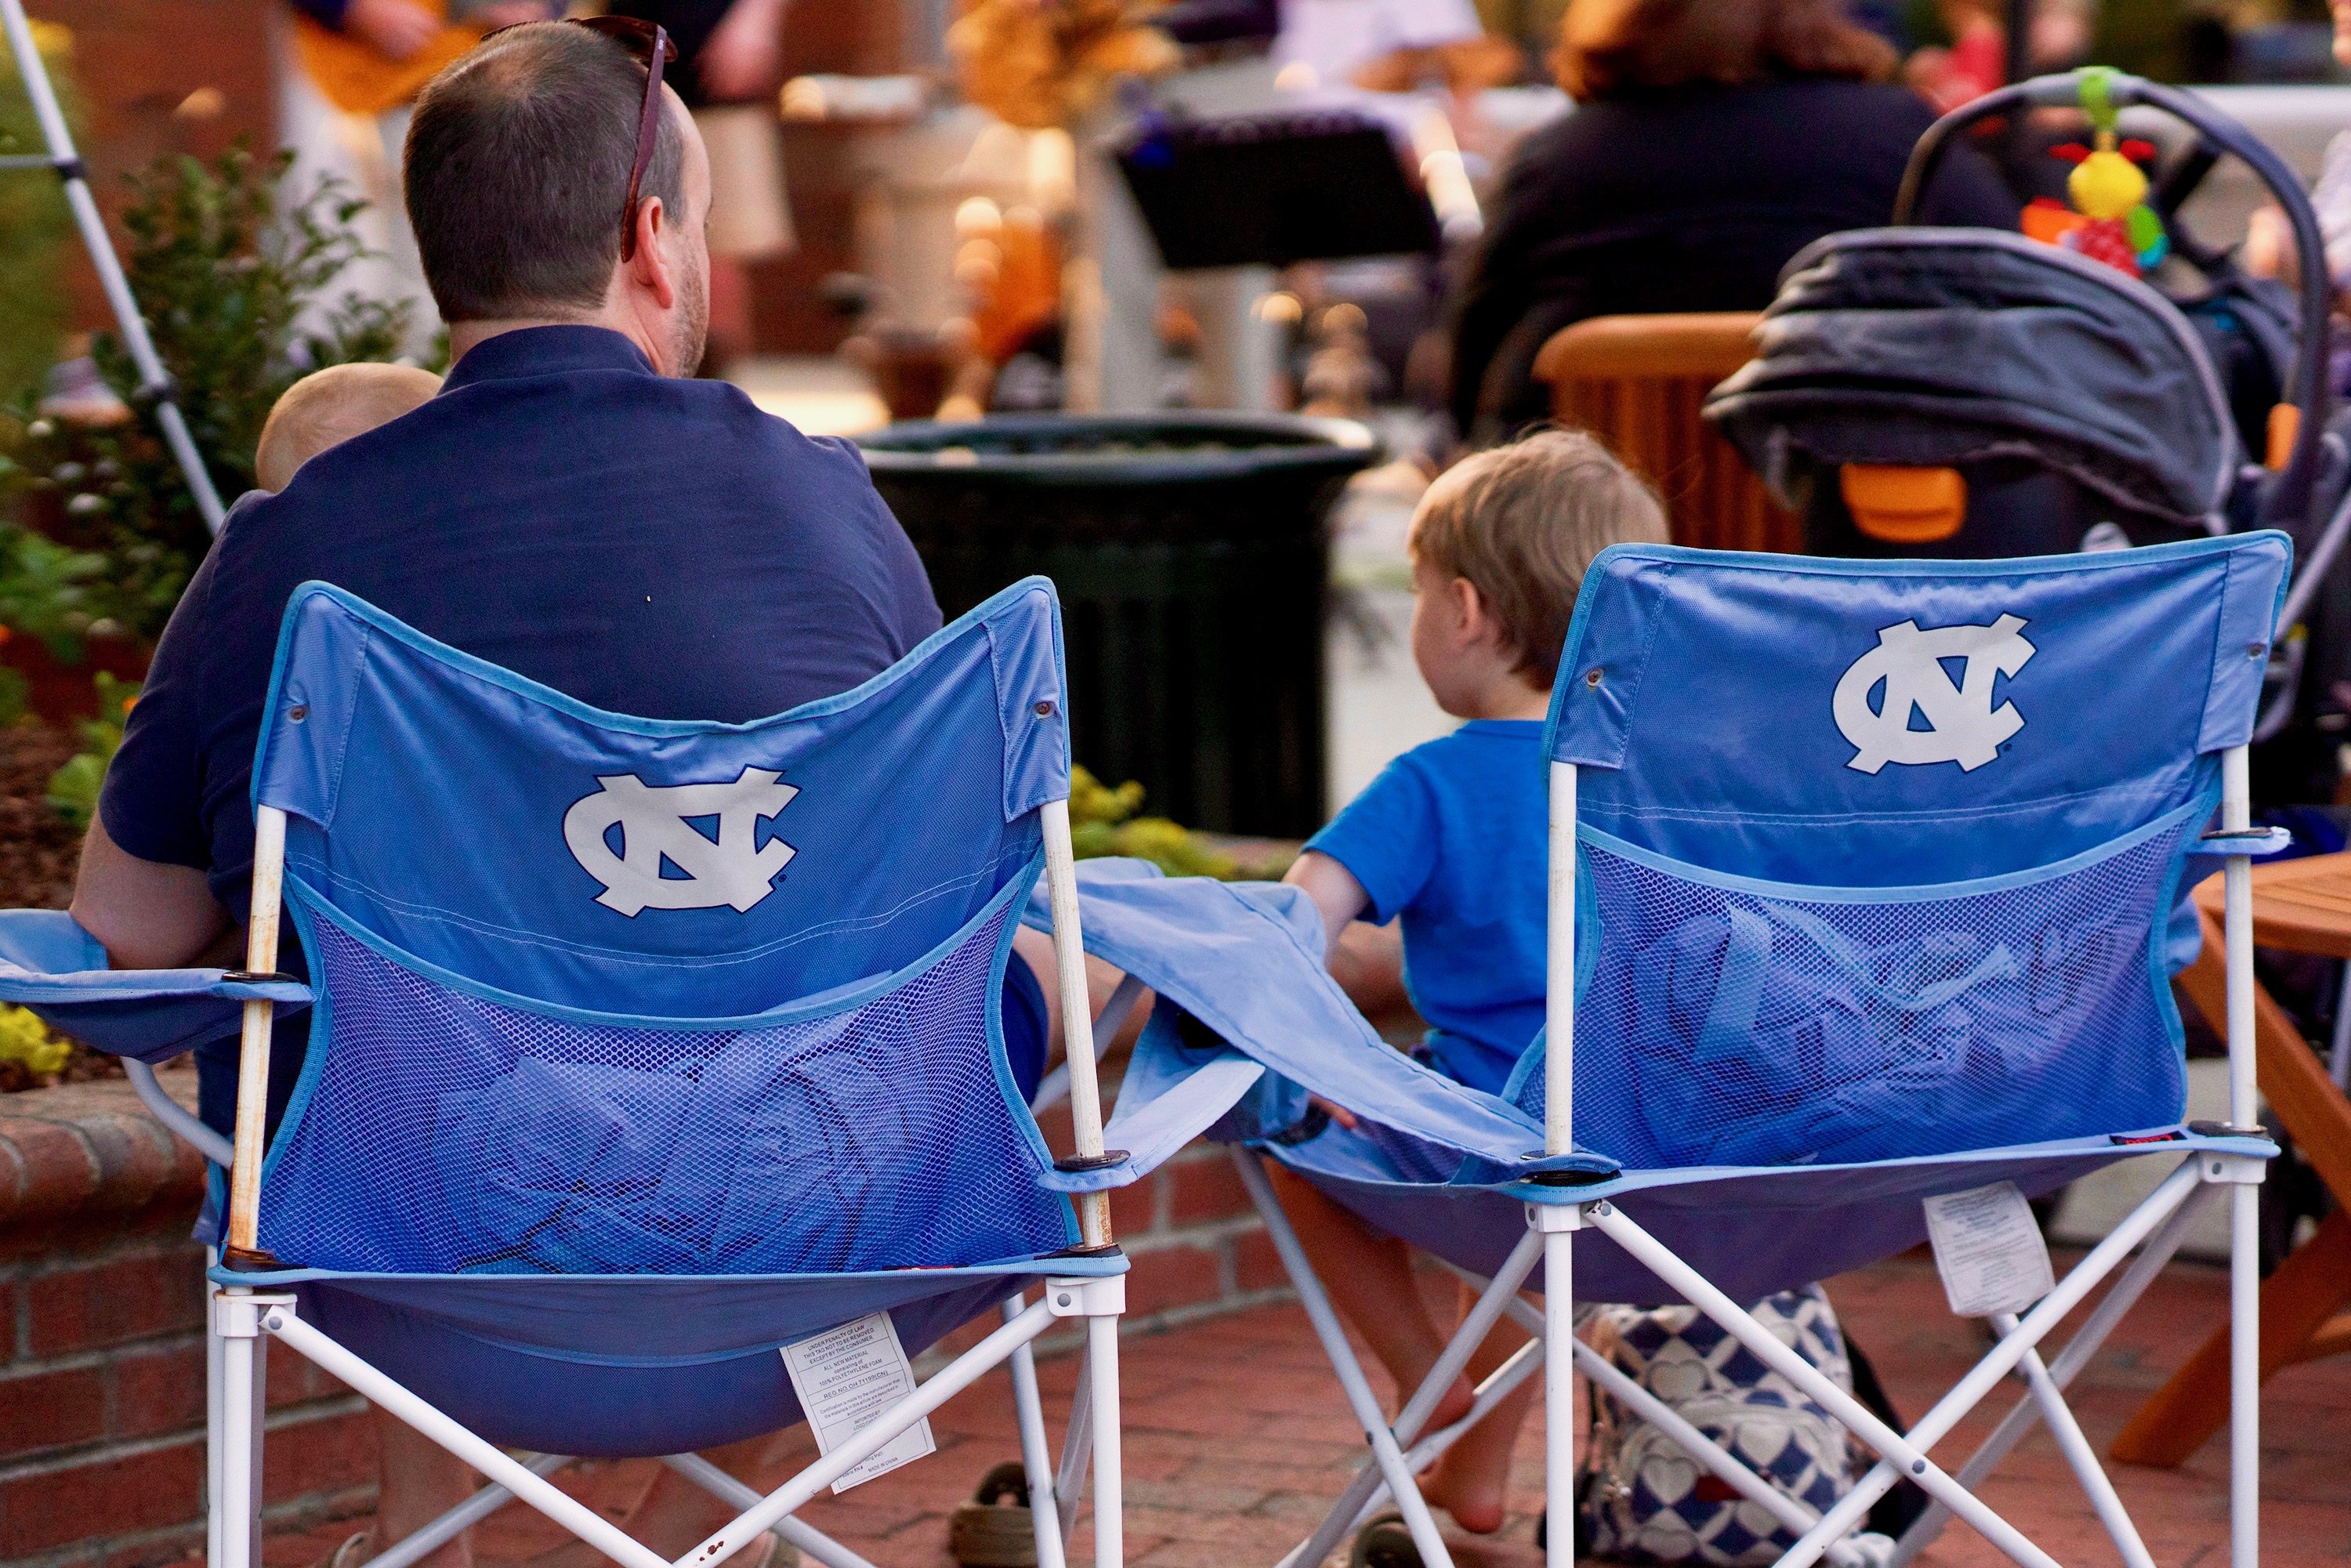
x: 1191, y: 552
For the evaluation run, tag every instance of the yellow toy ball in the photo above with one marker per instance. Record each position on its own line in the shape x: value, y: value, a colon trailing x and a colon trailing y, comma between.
x: 2106, y: 185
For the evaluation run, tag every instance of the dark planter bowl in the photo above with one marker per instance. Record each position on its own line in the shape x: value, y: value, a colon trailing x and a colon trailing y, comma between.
x: 1191, y: 553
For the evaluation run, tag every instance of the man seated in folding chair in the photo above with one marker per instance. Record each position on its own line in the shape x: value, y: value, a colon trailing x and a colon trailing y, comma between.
x: 571, y: 505
x: 1448, y: 842
x: 1863, y: 940
x: 659, y: 1095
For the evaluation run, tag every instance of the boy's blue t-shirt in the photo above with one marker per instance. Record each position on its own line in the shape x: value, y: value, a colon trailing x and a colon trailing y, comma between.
x: 1451, y: 836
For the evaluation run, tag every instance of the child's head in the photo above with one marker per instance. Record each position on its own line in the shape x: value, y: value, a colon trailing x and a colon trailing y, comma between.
x: 1499, y: 545
x: 328, y: 407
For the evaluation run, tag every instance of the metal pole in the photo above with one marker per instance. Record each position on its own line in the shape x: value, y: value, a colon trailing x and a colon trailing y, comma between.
x: 1559, y: 969
x: 1558, y: 1226
x: 237, y: 1501
x: 2244, y: 1201
x: 2071, y: 1360
x: 1036, y: 1451
x: 1344, y: 1365
x: 1110, y: 1492
x: 153, y: 383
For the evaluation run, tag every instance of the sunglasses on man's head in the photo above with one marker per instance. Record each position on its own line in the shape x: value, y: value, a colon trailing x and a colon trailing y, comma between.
x: 652, y: 47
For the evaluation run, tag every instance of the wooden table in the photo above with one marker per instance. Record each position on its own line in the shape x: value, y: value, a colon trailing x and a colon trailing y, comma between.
x: 2300, y: 907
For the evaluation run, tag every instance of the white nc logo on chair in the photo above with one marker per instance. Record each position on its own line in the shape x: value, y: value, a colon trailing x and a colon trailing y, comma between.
x: 655, y: 827
x: 1964, y: 728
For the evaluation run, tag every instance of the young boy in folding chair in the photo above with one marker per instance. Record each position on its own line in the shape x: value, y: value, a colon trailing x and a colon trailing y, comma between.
x: 1449, y: 841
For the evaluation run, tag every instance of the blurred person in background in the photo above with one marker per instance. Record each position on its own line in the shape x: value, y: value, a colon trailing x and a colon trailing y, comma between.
x: 1712, y: 141
x: 348, y: 75
x: 2056, y: 38
x: 2269, y: 241
x: 1383, y: 46
x: 727, y: 55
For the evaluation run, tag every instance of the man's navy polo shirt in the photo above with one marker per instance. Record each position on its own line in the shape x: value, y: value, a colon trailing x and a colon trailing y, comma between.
x: 647, y: 545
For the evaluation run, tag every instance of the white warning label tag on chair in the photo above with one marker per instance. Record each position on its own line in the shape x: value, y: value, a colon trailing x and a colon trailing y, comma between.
x: 845, y: 1377
x: 1988, y: 1250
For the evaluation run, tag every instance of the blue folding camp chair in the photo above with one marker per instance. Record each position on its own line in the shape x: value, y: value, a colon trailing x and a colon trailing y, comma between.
x: 639, y: 1051
x: 1870, y: 901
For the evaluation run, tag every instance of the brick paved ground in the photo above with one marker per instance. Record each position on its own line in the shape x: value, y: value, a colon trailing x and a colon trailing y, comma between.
x: 1236, y: 1438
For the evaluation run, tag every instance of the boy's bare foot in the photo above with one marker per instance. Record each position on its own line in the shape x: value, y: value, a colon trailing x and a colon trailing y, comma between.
x: 1474, y: 1493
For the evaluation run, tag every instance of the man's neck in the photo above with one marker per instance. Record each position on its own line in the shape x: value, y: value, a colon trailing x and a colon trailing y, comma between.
x: 465, y: 335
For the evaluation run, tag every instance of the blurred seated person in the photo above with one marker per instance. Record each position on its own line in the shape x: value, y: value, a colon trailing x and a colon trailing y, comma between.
x: 1384, y: 45
x: 2269, y: 241
x: 2057, y: 39
x: 1712, y: 140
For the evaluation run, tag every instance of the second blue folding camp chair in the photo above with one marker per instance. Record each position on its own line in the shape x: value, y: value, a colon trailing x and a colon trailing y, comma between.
x: 1863, y: 879
x: 642, y: 1054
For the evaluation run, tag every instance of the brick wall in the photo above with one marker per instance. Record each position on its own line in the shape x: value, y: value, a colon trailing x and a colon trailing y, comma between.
x: 1193, y: 1239
x: 102, y: 1347
x: 102, y: 1344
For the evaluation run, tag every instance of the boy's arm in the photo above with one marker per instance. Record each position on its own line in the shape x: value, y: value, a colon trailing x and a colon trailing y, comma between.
x: 1335, y: 892
x: 1367, y: 963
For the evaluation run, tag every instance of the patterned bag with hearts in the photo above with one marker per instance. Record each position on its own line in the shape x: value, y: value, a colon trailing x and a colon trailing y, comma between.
x: 1644, y: 1500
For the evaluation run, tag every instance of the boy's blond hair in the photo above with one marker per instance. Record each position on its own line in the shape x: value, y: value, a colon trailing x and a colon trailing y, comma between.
x: 328, y: 407
x: 1521, y: 523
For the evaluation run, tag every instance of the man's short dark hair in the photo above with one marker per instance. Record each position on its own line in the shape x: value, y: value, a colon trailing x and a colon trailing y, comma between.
x: 518, y: 164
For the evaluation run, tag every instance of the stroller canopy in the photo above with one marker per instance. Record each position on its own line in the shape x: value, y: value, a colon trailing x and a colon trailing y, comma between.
x: 1926, y: 347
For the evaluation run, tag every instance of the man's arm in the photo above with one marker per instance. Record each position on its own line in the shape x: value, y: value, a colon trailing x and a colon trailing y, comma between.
x: 393, y: 29
x: 147, y: 914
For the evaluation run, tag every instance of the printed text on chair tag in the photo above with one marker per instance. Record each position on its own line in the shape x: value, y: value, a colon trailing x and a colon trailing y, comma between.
x: 1988, y: 1250
x: 845, y: 1377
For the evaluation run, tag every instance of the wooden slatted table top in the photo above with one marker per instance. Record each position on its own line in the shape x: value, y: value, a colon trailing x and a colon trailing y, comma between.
x: 2299, y: 905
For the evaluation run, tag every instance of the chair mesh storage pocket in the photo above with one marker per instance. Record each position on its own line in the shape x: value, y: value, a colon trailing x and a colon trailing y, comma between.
x: 445, y: 1132
x: 1781, y: 1024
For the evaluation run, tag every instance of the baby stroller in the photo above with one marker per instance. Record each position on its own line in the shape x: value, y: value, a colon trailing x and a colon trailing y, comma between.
x: 1974, y: 393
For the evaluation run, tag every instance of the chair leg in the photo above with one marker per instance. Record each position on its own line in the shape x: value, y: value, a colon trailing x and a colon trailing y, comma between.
x: 1036, y: 1454
x: 1077, y: 1443
x: 2245, y: 1376
x: 1900, y: 1452
x: 1361, y: 1400
x: 240, y: 1444
x: 1110, y: 1490
x: 1558, y: 1225
x: 419, y: 1544
x: 2077, y: 1451
x: 813, y: 1542
x: 1498, y: 1298
x: 216, y: 1384
x: 2085, y: 1343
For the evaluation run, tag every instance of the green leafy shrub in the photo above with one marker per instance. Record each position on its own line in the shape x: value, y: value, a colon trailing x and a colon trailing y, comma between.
x: 73, y: 789
x: 224, y: 269
x: 26, y: 1042
x: 46, y: 592
x: 1102, y: 823
x: 84, y: 555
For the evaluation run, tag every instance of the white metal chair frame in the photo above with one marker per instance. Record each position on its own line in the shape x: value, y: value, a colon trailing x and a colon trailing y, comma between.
x: 2161, y: 1222
x: 241, y: 1315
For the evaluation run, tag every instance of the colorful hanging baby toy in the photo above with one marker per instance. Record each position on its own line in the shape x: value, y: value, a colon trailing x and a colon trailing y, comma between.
x: 2110, y: 220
